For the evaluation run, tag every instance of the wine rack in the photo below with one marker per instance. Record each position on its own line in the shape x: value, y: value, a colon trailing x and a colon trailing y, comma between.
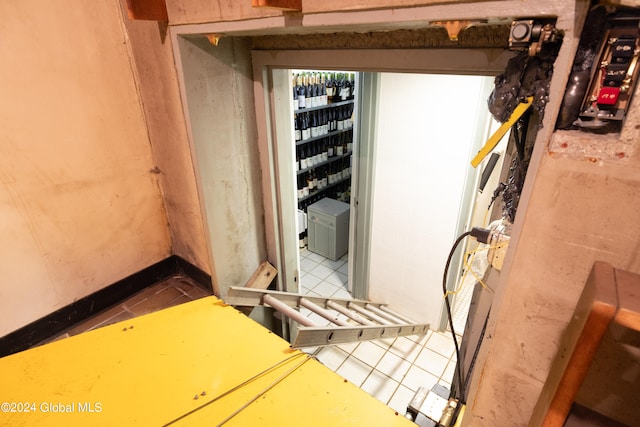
x: 328, y: 153
x: 323, y: 107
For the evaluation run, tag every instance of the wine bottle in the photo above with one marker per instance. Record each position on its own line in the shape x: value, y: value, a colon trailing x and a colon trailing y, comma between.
x: 313, y: 90
x: 314, y: 124
x: 329, y: 88
x: 325, y: 150
x: 324, y: 177
x: 349, y: 142
x: 300, y: 186
x: 296, y: 127
x: 305, y: 131
x: 323, y: 89
x: 305, y: 186
x: 340, y: 114
x: 335, y: 120
x: 310, y: 181
x: 308, y: 92
x: 345, y: 148
x: 301, y: 92
x: 330, y: 147
x: 297, y: 160
x: 304, y: 164
x: 295, y: 92
x: 320, y: 122
x: 339, y: 147
x: 352, y: 85
x: 318, y: 152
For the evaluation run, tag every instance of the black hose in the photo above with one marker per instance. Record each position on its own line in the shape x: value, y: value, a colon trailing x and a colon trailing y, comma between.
x: 448, y: 305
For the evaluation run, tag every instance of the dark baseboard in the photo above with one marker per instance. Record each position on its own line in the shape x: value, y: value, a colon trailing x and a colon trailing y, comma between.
x: 80, y: 310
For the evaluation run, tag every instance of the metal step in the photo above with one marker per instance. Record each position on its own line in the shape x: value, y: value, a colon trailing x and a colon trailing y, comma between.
x: 367, y: 320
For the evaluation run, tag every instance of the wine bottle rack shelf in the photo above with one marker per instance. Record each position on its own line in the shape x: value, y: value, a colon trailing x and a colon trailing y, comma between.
x: 324, y: 107
x: 329, y: 161
x: 328, y: 187
x: 317, y: 138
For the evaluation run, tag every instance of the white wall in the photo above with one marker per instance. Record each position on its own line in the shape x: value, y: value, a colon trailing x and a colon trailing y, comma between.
x: 425, y: 130
x: 80, y: 206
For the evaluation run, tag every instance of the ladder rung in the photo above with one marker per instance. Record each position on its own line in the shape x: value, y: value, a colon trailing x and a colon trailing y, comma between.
x: 286, y: 310
x: 385, y: 315
x: 396, y: 314
x: 350, y: 314
x: 318, y: 337
x: 369, y: 314
x: 253, y: 297
x: 322, y: 312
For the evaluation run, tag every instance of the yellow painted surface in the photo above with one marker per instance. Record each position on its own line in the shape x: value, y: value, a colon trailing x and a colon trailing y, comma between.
x: 148, y: 371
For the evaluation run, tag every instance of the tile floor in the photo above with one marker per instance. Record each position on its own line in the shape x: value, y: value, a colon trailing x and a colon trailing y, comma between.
x: 164, y: 294
x: 391, y: 370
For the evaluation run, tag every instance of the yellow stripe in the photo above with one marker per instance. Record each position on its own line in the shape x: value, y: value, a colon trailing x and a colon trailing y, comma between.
x: 502, y: 130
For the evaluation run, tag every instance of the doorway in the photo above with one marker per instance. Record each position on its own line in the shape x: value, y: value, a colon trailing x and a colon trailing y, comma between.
x: 460, y: 105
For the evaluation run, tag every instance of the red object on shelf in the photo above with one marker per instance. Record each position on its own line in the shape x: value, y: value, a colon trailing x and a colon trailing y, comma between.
x: 608, y: 95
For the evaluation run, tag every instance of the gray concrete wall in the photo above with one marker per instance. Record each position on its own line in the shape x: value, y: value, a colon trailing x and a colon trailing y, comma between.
x: 219, y: 93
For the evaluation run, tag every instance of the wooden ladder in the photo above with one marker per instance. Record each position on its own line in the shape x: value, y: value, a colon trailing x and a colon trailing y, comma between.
x: 367, y: 320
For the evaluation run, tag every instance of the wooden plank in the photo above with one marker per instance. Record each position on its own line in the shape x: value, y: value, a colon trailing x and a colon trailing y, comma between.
x: 599, y: 297
x: 260, y: 279
x: 290, y: 5
x: 147, y: 10
x: 629, y: 299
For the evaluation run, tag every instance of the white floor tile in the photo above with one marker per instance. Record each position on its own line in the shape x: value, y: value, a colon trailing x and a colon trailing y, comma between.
x: 441, y: 343
x: 349, y: 347
x: 369, y: 353
x: 354, y: 371
x: 385, y: 343
x: 417, y: 377
x: 342, y: 293
x: 304, y: 253
x: 332, y: 357
x: 316, y: 257
x: 406, y: 348
x: 344, y: 269
x: 448, y: 372
x: 400, y: 399
x: 421, y: 339
x: 393, y: 366
x: 306, y: 265
x: 325, y: 289
x: 431, y: 362
x: 337, y: 279
x: 308, y: 282
x: 334, y: 265
x: 321, y: 271
x: 380, y: 386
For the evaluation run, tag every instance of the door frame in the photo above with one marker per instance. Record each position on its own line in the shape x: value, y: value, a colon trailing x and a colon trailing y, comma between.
x: 278, y: 195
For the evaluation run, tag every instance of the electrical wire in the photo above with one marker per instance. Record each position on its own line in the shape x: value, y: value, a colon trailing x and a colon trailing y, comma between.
x: 266, y: 389
x: 243, y: 384
x: 448, y: 306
